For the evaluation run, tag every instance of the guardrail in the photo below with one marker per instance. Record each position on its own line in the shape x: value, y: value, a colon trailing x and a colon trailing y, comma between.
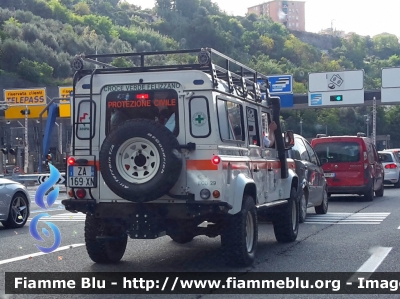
x: 34, y: 178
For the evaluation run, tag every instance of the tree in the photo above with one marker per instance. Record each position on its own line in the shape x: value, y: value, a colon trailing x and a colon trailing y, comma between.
x: 386, y: 45
x: 121, y: 62
x: 82, y: 8
x: 187, y: 7
x: 34, y: 71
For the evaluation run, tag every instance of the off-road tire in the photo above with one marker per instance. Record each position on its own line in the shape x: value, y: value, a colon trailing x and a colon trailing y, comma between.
x: 302, y: 209
x: 103, y: 250
x: 286, y: 222
x: 233, y: 237
x: 12, y: 220
x: 182, y: 238
x: 323, y: 207
x: 166, y: 148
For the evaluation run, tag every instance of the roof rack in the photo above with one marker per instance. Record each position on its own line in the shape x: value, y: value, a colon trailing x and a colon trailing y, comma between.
x: 239, y: 77
x: 321, y: 135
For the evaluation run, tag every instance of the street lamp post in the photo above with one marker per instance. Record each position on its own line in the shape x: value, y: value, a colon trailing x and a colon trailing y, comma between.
x: 26, y: 150
x: 301, y: 126
x: 367, y: 122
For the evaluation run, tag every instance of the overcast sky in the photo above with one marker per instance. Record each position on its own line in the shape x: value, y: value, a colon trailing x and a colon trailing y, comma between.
x: 362, y: 17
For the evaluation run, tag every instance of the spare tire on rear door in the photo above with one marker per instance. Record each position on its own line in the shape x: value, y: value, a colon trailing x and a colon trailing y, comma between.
x: 140, y: 160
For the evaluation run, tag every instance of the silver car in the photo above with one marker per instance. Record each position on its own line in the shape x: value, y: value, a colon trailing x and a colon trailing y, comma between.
x: 14, y: 204
x: 391, y: 163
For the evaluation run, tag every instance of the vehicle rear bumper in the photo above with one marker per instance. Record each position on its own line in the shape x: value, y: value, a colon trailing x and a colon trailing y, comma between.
x: 391, y: 177
x: 348, y: 189
x: 130, y: 210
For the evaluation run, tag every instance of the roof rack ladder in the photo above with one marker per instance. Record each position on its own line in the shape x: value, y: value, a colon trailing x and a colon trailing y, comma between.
x: 229, y: 78
x: 256, y: 88
x: 244, y: 84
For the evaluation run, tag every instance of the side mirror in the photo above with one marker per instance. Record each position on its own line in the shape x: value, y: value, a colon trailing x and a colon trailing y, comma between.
x: 323, y: 161
x: 289, y: 139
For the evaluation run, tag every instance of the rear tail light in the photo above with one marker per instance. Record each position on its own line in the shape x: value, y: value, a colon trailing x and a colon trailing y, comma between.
x: 216, y: 160
x: 80, y: 193
x: 391, y: 166
x: 71, y: 161
x: 71, y: 193
x: 216, y: 194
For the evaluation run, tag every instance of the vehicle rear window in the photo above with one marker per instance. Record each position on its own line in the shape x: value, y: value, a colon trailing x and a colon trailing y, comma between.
x: 160, y: 106
x: 386, y: 157
x: 338, y: 151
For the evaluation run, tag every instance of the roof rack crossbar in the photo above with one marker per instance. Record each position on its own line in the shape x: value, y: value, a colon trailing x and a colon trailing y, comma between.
x: 217, y: 65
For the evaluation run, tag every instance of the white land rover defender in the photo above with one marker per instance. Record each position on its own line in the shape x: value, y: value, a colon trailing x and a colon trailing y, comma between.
x: 159, y: 150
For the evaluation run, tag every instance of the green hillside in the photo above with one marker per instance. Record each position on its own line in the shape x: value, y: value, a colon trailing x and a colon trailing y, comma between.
x: 38, y: 39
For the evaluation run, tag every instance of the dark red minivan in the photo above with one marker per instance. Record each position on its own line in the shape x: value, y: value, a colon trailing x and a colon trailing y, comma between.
x: 351, y: 165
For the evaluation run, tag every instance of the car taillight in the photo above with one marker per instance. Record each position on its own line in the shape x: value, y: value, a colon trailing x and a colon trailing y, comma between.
x: 71, y: 161
x: 216, y: 160
x: 390, y: 166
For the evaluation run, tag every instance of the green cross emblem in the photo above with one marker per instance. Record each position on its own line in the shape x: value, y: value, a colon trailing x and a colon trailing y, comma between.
x: 199, y: 119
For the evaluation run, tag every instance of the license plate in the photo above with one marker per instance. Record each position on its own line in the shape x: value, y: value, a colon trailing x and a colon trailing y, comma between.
x: 329, y: 175
x: 81, y: 176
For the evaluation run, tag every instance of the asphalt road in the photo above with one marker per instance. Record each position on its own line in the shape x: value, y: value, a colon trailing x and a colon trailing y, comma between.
x: 341, y: 241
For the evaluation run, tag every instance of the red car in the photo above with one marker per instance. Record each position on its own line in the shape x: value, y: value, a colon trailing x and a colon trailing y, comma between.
x: 351, y: 165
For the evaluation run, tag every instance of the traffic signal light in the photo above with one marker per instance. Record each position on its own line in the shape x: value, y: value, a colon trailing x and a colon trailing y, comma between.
x: 13, y: 151
x: 4, y: 150
x: 337, y: 98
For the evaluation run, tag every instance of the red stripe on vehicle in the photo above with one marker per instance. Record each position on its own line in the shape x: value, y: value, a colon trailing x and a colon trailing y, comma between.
x: 200, y: 165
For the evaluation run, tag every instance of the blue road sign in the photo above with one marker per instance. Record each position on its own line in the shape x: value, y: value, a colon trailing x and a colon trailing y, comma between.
x: 279, y: 84
x: 315, y: 99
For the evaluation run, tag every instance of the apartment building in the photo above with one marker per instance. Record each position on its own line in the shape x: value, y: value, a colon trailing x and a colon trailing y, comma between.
x: 289, y: 13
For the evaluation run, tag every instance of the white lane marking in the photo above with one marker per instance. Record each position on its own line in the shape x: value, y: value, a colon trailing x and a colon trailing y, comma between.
x: 326, y: 223
x: 44, y: 211
x: 346, y: 218
x: 24, y: 257
x: 60, y: 220
x: 378, y: 254
x: 64, y: 217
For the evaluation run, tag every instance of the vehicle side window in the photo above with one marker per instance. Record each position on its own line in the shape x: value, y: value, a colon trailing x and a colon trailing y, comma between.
x: 252, y: 126
x: 83, y: 120
x: 265, y: 121
x: 302, y: 150
x: 230, y: 119
x: 200, y: 115
x: 311, y: 153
